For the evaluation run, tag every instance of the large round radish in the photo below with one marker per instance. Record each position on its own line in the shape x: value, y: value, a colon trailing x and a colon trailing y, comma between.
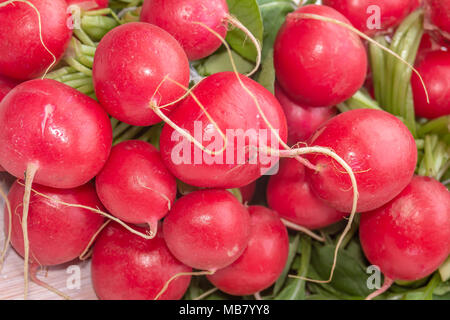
x: 134, y: 185
x: 234, y: 111
x: 207, y: 229
x: 262, y: 261
x: 89, y: 4
x: 319, y: 63
x: 409, y: 237
x: 22, y: 54
x: 135, y: 66
x: 437, y: 15
x: 57, y: 233
x: 376, y: 145
x: 434, y: 68
x: 6, y: 85
x: 65, y: 135
x: 289, y: 194
x: 128, y: 267
x: 302, y: 120
x: 372, y: 17
x: 180, y: 18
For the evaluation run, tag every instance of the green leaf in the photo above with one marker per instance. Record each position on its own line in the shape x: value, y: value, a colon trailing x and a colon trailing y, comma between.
x: 293, y: 245
x: 444, y: 270
x: 267, y: 75
x: 220, y: 62
x: 248, y: 13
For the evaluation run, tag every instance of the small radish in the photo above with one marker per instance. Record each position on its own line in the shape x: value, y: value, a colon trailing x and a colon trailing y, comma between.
x: 135, y: 186
x: 437, y: 17
x: 372, y: 17
x: 302, y: 120
x: 128, y: 267
x: 378, y: 147
x: 138, y: 65
x: 409, y: 238
x: 319, y: 63
x: 23, y: 54
x: 179, y: 18
x: 289, y: 194
x: 89, y: 4
x: 207, y: 229
x: 6, y: 85
x: 232, y: 112
x: 434, y: 68
x: 262, y: 261
x: 57, y: 233
x: 248, y: 192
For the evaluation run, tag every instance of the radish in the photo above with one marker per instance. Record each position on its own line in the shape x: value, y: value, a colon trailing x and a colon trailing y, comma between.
x: 89, y: 4
x: 179, y: 18
x: 437, y: 17
x: 378, y: 147
x: 128, y: 267
x: 302, y: 120
x: 363, y: 13
x: 409, y: 238
x: 207, y: 229
x: 289, y: 194
x: 233, y: 122
x: 312, y: 58
x: 6, y: 85
x: 135, y: 186
x: 23, y: 53
x: 262, y: 261
x: 136, y: 66
x: 435, y: 70
x: 248, y: 192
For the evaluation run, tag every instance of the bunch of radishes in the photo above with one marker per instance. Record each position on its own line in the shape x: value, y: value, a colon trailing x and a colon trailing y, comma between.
x: 85, y: 89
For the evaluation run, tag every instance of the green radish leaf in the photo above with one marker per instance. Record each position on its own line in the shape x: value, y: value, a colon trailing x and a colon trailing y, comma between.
x: 248, y: 13
x: 444, y: 270
x: 237, y: 193
x: 220, y: 61
x: 293, y: 245
x: 267, y: 75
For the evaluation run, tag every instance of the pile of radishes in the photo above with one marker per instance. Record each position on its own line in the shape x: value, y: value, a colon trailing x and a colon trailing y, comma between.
x: 116, y: 120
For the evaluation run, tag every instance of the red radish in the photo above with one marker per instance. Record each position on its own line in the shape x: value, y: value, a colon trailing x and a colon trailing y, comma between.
x: 207, y: 229
x: 302, y: 120
x: 236, y: 114
x: 363, y: 13
x: 131, y: 64
x: 57, y: 233
x: 313, y: 58
x: 428, y: 44
x: 289, y: 194
x: 22, y: 54
x: 128, y: 267
x: 434, y: 68
x: 63, y: 133
x: 89, y: 4
x: 6, y: 85
x: 135, y: 186
x: 437, y: 15
x: 377, y: 146
x: 409, y: 237
x: 248, y: 192
x: 262, y: 261
x: 179, y: 18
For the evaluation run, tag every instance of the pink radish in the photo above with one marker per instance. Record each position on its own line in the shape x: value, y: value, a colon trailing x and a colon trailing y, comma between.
x: 89, y: 4
x: 230, y: 108
x: 312, y: 58
x: 135, y: 186
x: 128, y: 267
x: 409, y: 238
x: 207, y: 229
x: 378, y: 147
x: 437, y: 16
x: 434, y: 68
x: 289, y: 194
x: 302, y: 120
x: 179, y: 18
x: 23, y: 54
x: 6, y: 85
x: 248, y: 192
x: 262, y: 261
x: 136, y: 66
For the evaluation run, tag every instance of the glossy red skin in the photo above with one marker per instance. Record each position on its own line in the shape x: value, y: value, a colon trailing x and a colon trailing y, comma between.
x: 22, y: 55
x: 437, y: 13
x: 263, y: 260
x: 289, y: 194
x: 128, y: 267
x: 392, y: 12
x: 207, y: 229
x: 178, y: 16
x: 134, y: 185
x: 6, y: 85
x: 62, y: 131
x: 57, y: 233
x: 231, y: 107
x: 302, y: 121
x: 435, y: 71
x: 409, y: 237
x: 376, y: 145
x: 248, y: 192
x: 130, y: 63
x: 89, y: 4
x: 312, y: 59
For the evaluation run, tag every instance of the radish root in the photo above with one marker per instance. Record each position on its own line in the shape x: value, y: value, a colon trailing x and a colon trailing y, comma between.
x: 386, y: 285
x: 205, y: 294
x: 86, y: 254
x: 296, y: 227
x: 34, y: 278
x: 8, y: 235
